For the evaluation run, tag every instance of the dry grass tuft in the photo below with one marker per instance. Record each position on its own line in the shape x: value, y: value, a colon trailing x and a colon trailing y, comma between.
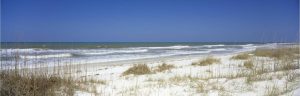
x: 249, y: 80
x: 243, y: 56
x: 14, y: 84
x: 248, y: 64
x: 139, y: 69
x: 91, y: 81
x: 97, y: 81
x: 164, y: 67
x: 277, y: 53
x: 207, y: 61
x: 200, y: 87
x: 272, y: 90
x: 292, y: 76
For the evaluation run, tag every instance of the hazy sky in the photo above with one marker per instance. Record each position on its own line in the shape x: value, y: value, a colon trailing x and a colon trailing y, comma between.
x: 149, y: 20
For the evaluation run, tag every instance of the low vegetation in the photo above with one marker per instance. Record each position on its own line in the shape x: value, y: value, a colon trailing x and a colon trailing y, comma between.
x: 248, y: 64
x: 15, y: 84
x: 272, y: 90
x: 177, y: 79
x: 243, y: 56
x: 200, y: 87
x: 164, y: 67
x: 278, y: 53
x: 207, y: 61
x: 139, y: 69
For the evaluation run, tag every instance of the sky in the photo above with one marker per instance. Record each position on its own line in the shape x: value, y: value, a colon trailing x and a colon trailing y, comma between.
x: 149, y: 20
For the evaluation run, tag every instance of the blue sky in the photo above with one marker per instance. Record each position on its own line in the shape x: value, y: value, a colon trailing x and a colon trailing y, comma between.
x: 149, y: 20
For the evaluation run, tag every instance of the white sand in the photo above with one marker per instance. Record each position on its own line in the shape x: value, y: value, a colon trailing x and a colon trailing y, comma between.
x: 221, y: 79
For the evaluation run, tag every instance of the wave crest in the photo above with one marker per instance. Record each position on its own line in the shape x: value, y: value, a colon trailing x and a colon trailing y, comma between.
x: 115, y: 51
x: 170, y: 47
x: 45, y: 56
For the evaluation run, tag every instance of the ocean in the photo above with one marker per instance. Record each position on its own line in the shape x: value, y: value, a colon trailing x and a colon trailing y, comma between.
x: 93, y: 52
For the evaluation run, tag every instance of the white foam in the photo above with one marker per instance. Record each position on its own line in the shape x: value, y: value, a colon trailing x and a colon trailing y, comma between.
x: 219, y: 45
x: 249, y: 46
x: 114, y: 51
x: 108, y: 54
x: 110, y: 58
x: 45, y: 56
x: 219, y: 49
x: 170, y: 47
x: 17, y: 50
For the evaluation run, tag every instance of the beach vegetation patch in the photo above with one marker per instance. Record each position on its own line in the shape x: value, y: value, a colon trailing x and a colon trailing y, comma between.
x: 164, y: 67
x: 139, y: 69
x: 207, y: 61
x: 242, y: 56
x: 272, y: 90
x: 248, y: 64
x: 15, y: 84
x: 278, y: 53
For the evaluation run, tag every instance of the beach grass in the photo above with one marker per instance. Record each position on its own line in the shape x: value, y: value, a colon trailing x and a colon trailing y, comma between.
x: 207, y: 61
x: 15, y: 84
x: 242, y: 56
x: 278, y: 53
x: 248, y: 64
x: 139, y: 69
x: 164, y: 67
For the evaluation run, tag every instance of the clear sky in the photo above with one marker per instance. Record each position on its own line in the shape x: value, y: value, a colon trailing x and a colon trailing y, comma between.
x: 149, y: 20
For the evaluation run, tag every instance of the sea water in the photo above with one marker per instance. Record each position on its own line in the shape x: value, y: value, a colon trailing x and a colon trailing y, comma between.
x: 50, y: 53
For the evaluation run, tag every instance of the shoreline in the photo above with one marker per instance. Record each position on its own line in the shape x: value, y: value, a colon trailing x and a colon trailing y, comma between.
x: 148, y: 61
x: 225, y: 76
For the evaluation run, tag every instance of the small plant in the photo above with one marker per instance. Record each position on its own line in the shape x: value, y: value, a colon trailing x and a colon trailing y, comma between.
x: 200, y: 87
x: 164, y: 67
x: 177, y: 79
x: 272, y: 90
x: 291, y: 77
x: 243, y: 56
x: 139, y: 69
x: 96, y: 81
x: 207, y: 61
x: 249, y: 80
x: 248, y: 64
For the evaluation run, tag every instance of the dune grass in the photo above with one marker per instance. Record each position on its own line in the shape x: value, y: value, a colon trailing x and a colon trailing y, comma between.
x: 278, y: 53
x: 139, y: 69
x: 272, y: 90
x: 15, y: 84
x: 207, y: 61
x: 164, y: 67
x: 242, y: 56
x: 248, y: 64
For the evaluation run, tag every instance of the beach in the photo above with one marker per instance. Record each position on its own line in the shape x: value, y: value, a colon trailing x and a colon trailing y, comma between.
x: 223, y: 79
x: 150, y: 48
x: 233, y: 73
